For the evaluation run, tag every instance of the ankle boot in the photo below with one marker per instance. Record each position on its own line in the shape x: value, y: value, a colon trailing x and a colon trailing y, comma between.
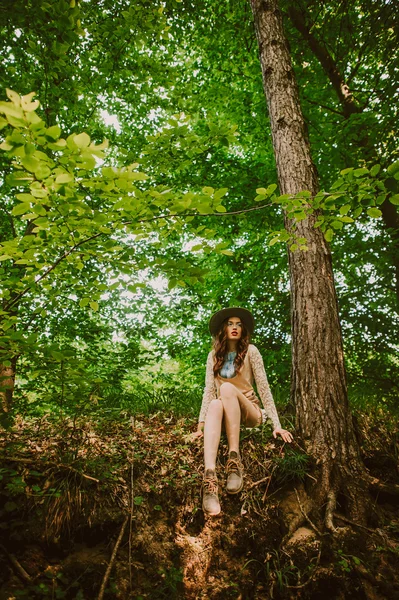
x: 234, y: 470
x: 210, y: 498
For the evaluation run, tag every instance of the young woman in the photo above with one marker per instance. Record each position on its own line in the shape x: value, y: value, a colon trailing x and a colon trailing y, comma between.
x: 229, y: 398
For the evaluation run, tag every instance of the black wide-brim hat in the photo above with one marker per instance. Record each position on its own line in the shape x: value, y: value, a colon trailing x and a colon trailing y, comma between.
x: 221, y: 315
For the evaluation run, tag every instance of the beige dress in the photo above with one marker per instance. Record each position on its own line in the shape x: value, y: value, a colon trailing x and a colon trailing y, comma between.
x: 252, y: 370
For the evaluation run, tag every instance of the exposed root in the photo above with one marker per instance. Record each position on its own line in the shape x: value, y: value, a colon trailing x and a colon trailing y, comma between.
x: 306, y: 516
x: 391, y: 489
x: 350, y: 522
x: 330, y: 508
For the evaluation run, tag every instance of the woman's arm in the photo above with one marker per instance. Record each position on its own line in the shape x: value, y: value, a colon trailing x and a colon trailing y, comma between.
x: 209, y: 390
x: 265, y: 394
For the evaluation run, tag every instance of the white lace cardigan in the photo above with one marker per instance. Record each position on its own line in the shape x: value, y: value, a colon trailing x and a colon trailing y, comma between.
x: 253, y: 368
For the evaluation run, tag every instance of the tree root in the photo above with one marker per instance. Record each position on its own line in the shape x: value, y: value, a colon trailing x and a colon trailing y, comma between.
x: 392, y: 489
x: 306, y: 517
x: 330, y: 508
x: 350, y: 522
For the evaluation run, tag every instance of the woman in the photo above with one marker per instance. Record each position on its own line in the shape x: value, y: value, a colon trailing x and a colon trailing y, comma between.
x: 229, y: 398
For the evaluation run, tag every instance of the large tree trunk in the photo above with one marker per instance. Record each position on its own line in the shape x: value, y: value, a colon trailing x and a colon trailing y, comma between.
x: 350, y: 107
x: 318, y: 385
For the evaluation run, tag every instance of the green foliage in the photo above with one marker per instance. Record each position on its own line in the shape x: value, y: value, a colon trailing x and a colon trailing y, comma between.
x: 291, y: 466
x: 84, y: 230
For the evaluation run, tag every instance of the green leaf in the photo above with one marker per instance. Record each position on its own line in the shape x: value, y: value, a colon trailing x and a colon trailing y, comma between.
x: 394, y: 199
x: 138, y: 500
x: 375, y: 170
x: 53, y: 132
x: 344, y: 209
x: 84, y: 302
x: 20, y: 209
x: 336, y: 224
x: 261, y: 191
x: 94, y: 306
x: 64, y: 178
x: 208, y: 191
x: 360, y: 172
x: 393, y: 168
x: 374, y: 213
x: 42, y: 172
x: 30, y: 163
x: 329, y: 234
x: 357, y: 212
x: 82, y: 140
x: 27, y: 104
x: 220, y: 208
x: 220, y: 193
x: 347, y: 220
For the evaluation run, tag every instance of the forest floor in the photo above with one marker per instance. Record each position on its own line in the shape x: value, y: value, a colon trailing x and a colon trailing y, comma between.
x: 80, y: 496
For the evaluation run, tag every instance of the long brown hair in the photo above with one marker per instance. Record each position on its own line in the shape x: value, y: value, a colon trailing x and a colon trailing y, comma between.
x: 220, y: 348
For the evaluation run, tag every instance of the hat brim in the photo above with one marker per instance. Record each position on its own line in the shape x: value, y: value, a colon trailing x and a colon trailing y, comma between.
x: 217, y: 319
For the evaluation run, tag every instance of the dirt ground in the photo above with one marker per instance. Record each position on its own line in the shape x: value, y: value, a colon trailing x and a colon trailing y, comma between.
x: 80, y: 496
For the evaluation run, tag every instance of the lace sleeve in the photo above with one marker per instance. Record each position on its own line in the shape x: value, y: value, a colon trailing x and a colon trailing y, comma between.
x: 262, y: 385
x: 210, y: 388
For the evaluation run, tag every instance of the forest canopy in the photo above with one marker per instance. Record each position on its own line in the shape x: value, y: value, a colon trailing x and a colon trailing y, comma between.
x: 147, y: 124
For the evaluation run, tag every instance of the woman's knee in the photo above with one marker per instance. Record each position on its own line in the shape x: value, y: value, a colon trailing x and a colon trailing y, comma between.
x: 215, y: 409
x: 227, y: 390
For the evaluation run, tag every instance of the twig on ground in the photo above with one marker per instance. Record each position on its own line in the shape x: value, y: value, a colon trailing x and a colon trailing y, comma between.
x: 49, y: 463
x: 111, y: 562
x: 268, y: 483
x: 255, y: 483
x: 20, y: 571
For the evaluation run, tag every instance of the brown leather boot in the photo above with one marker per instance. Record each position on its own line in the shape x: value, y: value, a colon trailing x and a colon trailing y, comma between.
x: 234, y: 470
x: 210, y: 498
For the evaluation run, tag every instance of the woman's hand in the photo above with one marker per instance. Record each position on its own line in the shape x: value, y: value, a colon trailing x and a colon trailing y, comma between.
x: 191, y: 437
x: 196, y: 435
x: 287, y: 437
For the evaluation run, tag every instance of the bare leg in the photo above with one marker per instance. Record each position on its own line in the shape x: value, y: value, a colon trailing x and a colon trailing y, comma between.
x: 236, y: 404
x: 212, y: 431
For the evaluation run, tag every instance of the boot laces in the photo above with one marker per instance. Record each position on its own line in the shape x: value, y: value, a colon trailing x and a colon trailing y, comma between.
x: 210, y: 485
x: 233, y: 466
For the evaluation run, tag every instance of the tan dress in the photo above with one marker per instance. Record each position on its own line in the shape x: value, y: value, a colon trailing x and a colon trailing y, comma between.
x: 246, y: 389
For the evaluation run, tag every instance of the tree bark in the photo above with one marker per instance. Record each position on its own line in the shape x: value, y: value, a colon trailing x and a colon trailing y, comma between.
x: 350, y: 107
x: 318, y: 380
x: 7, y: 381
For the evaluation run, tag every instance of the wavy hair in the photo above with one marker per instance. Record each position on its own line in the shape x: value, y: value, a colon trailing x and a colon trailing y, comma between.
x: 220, y: 348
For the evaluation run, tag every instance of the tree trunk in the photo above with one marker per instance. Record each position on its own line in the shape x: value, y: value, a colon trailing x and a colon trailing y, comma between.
x: 318, y: 384
x: 7, y: 380
x: 350, y: 107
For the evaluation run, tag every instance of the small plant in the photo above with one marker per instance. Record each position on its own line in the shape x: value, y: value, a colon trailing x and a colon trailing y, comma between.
x: 347, y: 561
x: 291, y: 466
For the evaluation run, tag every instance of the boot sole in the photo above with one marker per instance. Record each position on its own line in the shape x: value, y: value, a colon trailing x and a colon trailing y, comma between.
x: 232, y: 492
x: 211, y: 514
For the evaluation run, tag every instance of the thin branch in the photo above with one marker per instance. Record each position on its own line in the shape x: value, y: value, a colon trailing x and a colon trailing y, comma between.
x: 17, y: 566
x: 113, y: 557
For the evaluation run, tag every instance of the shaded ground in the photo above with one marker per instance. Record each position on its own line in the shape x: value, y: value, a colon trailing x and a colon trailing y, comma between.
x: 68, y: 486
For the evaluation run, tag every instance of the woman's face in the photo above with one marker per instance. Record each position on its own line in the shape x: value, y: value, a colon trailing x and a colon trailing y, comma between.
x: 234, y: 328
